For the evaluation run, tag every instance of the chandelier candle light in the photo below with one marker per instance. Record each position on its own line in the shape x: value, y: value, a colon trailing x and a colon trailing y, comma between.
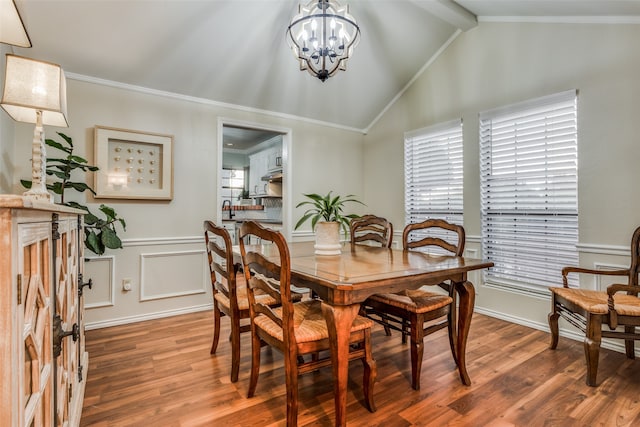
x: 322, y: 36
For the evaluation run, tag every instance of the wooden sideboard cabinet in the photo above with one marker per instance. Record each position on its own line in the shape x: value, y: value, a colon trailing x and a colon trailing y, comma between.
x: 43, y: 362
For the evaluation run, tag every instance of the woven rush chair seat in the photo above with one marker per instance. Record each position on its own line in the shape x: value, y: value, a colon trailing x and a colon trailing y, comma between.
x: 610, y: 313
x: 596, y: 302
x: 414, y: 300
x: 308, y: 323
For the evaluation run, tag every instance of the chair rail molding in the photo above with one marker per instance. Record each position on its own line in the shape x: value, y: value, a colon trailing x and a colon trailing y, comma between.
x: 151, y: 241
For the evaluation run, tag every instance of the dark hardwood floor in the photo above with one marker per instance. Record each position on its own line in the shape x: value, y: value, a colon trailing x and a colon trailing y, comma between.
x: 160, y: 373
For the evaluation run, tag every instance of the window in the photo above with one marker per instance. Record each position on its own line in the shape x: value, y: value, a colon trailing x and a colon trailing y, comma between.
x: 232, y: 184
x: 433, y: 173
x: 529, y: 191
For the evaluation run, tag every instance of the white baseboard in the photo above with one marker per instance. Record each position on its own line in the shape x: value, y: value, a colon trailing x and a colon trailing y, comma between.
x: 615, y: 345
x: 147, y: 316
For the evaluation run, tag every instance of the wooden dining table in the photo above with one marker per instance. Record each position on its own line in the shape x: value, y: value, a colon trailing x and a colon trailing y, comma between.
x: 344, y: 281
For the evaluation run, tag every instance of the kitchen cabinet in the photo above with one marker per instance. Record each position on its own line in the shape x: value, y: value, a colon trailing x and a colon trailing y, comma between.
x: 274, y: 159
x: 260, y: 164
x: 42, y: 349
x: 258, y: 167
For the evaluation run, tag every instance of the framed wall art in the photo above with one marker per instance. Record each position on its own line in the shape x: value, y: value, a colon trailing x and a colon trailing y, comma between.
x: 133, y: 164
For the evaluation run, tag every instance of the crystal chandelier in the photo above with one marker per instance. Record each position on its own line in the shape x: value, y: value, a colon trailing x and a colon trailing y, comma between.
x: 322, y: 36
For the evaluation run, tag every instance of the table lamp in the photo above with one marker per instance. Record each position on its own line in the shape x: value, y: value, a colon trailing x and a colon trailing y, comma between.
x: 35, y: 92
x: 12, y: 30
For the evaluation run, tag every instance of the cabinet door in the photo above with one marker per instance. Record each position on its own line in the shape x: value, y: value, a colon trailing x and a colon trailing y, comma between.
x: 66, y: 348
x: 34, y: 328
x: 275, y: 159
x: 257, y: 169
x: 254, y: 177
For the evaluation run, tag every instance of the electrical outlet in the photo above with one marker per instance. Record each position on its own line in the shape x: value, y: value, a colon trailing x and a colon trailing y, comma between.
x: 126, y: 284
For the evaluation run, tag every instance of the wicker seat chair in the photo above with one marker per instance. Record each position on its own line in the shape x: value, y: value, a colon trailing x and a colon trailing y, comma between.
x: 599, y: 314
x: 295, y: 329
x: 229, y: 291
x: 420, y: 312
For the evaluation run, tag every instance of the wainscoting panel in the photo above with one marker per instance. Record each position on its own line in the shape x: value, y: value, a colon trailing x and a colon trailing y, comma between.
x: 101, y: 272
x: 172, y: 274
x: 601, y: 282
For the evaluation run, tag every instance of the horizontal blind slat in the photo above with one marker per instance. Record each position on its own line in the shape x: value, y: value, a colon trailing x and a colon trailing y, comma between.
x: 528, y: 167
x: 434, y: 173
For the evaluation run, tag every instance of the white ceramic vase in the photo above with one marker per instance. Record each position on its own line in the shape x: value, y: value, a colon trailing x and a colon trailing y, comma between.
x: 327, y: 238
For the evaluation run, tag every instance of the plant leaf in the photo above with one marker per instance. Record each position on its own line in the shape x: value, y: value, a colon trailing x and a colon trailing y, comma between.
x: 303, y: 220
x: 109, y: 212
x: 90, y: 219
x: 93, y: 243
x: 66, y: 138
x: 110, y: 239
x: 77, y: 159
x: 55, y: 144
x: 77, y: 206
x: 56, y: 187
x: 80, y: 186
x: 60, y: 175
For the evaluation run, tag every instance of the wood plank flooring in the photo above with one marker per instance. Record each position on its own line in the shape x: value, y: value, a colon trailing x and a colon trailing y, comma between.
x: 160, y: 373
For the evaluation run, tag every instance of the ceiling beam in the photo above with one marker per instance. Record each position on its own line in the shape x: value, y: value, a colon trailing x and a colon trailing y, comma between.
x: 449, y: 11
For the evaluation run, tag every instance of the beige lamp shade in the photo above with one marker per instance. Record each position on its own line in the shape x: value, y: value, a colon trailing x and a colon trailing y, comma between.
x: 12, y: 29
x: 31, y: 86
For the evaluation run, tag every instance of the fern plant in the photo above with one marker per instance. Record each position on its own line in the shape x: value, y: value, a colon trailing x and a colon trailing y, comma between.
x: 100, y: 233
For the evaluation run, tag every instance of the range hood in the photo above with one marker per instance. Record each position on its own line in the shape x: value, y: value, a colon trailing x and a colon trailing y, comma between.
x: 273, y: 176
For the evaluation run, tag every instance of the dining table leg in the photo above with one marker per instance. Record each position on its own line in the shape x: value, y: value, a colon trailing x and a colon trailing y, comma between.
x: 339, y: 319
x: 467, y: 296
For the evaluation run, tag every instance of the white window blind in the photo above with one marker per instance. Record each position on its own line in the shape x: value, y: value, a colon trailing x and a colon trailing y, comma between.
x: 529, y: 191
x: 433, y: 173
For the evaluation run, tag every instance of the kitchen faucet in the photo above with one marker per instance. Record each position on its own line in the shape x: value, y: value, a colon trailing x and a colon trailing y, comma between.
x: 224, y: 202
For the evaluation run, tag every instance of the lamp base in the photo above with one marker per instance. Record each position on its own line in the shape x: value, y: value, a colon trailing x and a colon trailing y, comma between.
x: 38, y: 196
x: 38, y: 191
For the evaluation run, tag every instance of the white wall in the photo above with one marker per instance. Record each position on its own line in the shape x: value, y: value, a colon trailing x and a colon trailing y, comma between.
x: 492, y: 65
x: 497, y: 64
x: 163, y: 251
x: 7, y: 135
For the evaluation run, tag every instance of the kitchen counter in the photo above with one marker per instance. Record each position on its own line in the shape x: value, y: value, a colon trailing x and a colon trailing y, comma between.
x: 261, y: 221
x: 268, y: 221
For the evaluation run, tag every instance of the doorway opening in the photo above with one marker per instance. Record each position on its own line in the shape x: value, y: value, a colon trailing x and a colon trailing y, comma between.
x: 253, y: 175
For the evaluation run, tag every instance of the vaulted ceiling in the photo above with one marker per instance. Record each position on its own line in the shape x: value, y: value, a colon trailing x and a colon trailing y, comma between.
x: 234, y: 51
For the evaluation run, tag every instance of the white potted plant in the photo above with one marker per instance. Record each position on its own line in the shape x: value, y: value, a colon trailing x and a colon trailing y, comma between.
x: 327, y: 218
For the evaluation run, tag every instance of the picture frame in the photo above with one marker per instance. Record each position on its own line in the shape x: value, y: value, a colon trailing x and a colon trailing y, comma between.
x: 133, y: 164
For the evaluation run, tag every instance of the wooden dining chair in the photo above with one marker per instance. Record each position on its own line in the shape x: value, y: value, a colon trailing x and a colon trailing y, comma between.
x: 295, y: 329
x: 420, y: 312
x: 590, y: 310
x: 371, y: 228
x: 229, y: 291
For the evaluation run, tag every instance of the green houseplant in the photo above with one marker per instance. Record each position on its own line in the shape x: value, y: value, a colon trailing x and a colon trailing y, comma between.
x: 327, y: 208
x: 100, y: 233
x: 327, y: 218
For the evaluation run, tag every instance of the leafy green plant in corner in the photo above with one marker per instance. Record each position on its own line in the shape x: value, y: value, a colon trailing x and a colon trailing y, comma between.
x: 327, y: 208
x: 100, y: 233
